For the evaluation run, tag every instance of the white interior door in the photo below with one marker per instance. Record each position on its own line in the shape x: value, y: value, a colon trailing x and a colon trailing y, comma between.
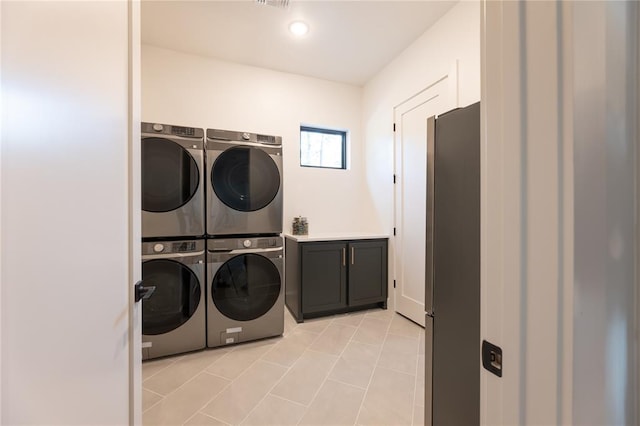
x: 69, y: 229
x: 411, y: 193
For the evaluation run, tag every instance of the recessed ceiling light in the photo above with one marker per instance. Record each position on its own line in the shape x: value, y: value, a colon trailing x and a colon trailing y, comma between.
x: 298, y: 28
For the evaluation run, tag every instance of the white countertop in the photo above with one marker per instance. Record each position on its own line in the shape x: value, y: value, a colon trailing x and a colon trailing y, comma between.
x: 338, y: 236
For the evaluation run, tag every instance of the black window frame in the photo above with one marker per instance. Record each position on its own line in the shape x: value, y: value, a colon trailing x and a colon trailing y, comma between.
x: 342, y: 133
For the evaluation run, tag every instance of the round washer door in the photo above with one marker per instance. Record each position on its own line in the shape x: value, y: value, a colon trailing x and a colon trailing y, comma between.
x: 245, y: 179
x: 245, y: 287
x: 176, y: 297
x: 170, y: 175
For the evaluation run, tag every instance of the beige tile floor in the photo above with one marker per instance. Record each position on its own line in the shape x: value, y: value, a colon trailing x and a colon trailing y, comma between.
x: 363, y: 368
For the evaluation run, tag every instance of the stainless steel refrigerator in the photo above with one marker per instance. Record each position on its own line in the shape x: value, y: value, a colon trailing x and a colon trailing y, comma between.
x: 452, y: 293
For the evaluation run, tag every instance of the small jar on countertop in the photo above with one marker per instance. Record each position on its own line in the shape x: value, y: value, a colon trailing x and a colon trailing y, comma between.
x: 300, y: 226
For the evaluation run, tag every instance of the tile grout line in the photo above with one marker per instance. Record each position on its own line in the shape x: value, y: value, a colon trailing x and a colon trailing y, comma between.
x: 194, y: 376
x: 347, y: 384
x: 206, y: 415
x: 164, y: 368
x: 282, y: 377
x: 393, y: 370
x: 329, y: 372
x: 288, y: 400
x: 176, y: 361
x: 333, y: 320
x: 198, y: 410
x: 212, y: 398
x: 375, y: 365
x: 154, y: 392
x: 268, y: 393
x: 155, y: 403
x: 406, y: 337
x: 316, y: 335
x: 340, y: 356
x: 231, y: 381
x: 217, y: 394
x: 173, y: 391
x: 203, y: 370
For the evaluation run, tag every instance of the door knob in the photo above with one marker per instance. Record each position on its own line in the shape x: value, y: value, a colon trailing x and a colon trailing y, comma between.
x: 142, y: 292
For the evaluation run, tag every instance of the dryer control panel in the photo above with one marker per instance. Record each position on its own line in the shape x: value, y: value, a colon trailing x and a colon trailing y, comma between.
x: 169, y: 129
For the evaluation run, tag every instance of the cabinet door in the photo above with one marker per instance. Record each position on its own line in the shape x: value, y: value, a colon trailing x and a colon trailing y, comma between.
x: 324, y: 275
x: 367, y: 272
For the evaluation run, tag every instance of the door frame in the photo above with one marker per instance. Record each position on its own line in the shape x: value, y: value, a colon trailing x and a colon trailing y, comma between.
x: 452, y: 100
x: 1, y: 138
x: 524, y: 182
x: 135, y: 210
x: 518, y: 193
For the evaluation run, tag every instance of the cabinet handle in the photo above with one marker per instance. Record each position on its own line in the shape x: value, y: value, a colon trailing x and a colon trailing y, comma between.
x: 353, y: 256
x: 344, y: 255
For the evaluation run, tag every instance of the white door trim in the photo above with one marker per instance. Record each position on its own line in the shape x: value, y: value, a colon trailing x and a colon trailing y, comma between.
x: 526, y: 216
x: 547, y: 230
x: 452, y: 82
x: 1, y: 138
x: 451, y: 96
x: 135, y: 273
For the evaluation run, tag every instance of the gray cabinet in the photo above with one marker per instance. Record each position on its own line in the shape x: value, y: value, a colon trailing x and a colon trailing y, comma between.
x: 326, y: 277
x: 367, y: 272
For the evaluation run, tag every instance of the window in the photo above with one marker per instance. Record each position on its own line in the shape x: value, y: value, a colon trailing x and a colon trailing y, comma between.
x: 323, y: 148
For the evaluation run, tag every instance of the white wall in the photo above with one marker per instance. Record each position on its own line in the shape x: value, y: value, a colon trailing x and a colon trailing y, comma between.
x: 456, y: 36
x: 191, y: 90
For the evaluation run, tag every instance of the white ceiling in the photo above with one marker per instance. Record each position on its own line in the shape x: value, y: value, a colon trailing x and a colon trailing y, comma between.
x: 348, y: 41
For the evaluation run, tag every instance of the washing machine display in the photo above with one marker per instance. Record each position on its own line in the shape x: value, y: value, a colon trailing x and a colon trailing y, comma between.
x: 244, y: 189
x: 172, y: 176
x: 173, y: 318
x: 246, y: 289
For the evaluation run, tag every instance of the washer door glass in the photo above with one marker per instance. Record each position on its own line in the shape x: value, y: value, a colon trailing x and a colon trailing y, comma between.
x: 246, y: 287
x: 245, y: 179
x: 169, y: 175
x: 176, y: 297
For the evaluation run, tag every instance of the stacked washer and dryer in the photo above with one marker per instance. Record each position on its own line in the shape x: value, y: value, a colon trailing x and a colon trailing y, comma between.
x: 212, y: 244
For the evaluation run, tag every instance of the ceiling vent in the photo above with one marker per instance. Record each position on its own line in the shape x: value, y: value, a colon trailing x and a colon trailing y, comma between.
x: 280, y: 4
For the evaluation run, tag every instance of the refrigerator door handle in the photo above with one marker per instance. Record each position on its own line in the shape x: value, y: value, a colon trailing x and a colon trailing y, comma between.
x: 428, y: 291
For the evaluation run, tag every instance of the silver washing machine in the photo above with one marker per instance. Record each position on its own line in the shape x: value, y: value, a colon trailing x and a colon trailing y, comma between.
x: 172, y: 181
x: 174, y: 317
x: 245, y: 289
x: 244, y: 183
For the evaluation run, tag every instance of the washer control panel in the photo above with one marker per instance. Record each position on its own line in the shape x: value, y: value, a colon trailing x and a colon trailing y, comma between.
x: 252, y: 243
x: 169, y: 247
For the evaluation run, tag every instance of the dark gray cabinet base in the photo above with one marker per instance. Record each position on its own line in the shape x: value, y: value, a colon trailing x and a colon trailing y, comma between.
x: 328, y: 277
